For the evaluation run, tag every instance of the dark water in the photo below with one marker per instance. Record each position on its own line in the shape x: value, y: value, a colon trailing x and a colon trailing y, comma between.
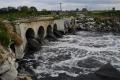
x: 78, y: 54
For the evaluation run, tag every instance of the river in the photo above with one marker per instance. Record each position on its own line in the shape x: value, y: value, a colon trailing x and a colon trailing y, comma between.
x: 82, y: 53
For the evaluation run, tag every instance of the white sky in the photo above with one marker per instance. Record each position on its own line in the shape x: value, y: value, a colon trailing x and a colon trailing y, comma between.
x: 67, y: 4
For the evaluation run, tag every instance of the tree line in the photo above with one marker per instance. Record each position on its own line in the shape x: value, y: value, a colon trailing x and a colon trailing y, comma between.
x: 18, y: 9
x: 12, y: 13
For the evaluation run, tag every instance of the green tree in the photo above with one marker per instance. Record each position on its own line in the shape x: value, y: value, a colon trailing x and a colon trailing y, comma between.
x: 12, y: 9
x: 33, y: 9
x: 24, y: 9
x: 113, y: 9
x: 84, y: 10
x: 77, y: 9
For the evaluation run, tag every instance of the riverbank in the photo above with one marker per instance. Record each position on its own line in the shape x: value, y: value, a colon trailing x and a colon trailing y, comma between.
x: 99, y: 24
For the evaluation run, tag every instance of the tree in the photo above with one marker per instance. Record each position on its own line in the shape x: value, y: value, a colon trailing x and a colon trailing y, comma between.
x: 24, y: 9
x: 12, y: 9
x: 84, y: 10
x: 34, y: 9
x: 44, y: 10
x: 113, y: 9
x: 77, y: 9
x: 3, y: 10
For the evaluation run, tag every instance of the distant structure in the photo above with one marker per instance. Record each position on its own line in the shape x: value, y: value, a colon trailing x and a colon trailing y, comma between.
x: 84, y: 10
x: 113, y: 9
x: 60, y: 7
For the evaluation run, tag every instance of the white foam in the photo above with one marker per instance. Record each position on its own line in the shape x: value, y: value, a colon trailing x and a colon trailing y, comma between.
x: 104, y: 47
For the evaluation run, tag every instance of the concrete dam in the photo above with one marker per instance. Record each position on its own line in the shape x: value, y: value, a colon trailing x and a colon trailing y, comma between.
x: 37, y: 28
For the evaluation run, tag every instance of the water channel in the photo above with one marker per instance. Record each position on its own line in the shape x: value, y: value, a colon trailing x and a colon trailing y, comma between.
x: 73, y: 55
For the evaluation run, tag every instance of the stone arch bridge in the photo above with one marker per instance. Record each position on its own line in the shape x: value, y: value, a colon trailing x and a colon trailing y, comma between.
x: 36, y: 27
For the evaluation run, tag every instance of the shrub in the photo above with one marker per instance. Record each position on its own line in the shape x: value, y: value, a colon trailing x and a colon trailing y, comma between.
x: 4, y: 37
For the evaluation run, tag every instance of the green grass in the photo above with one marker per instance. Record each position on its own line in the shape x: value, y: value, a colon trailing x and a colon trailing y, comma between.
x: 11, y: 16
x: 4, y: 37
x: 104, y: 14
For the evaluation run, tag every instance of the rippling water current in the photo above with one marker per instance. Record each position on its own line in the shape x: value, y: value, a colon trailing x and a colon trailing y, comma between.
x: 82, y: 53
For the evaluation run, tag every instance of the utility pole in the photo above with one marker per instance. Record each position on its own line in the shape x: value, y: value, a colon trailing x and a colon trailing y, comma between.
x: 60, y: 12
x: 60, y: 7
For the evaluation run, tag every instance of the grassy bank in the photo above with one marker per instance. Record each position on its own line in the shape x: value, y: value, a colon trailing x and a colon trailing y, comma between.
x: 104, y: 13
x: 4, y: 37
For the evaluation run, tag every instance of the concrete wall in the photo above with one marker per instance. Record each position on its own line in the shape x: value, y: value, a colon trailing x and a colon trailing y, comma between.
x: 22, y: 27
x: 60, y: 23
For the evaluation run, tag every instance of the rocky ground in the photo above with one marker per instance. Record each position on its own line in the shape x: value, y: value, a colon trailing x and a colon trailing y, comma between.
x: 8, y: 67
x: 110, y: 24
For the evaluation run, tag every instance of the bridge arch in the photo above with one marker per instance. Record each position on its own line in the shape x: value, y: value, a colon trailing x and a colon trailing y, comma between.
x: 56, y: 32
x: 41, y: 32
x: 30, y: 34
x: 49, y: 30
x: 55, y: 27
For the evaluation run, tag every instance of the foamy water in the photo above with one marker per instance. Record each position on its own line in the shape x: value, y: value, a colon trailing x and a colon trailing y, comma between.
x: 78, y: 54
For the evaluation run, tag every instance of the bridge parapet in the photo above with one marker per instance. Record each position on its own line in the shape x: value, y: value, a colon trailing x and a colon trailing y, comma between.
x: 35, y: 19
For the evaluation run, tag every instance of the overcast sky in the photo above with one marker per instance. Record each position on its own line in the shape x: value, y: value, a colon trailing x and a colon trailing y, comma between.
x: 67, y: 4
